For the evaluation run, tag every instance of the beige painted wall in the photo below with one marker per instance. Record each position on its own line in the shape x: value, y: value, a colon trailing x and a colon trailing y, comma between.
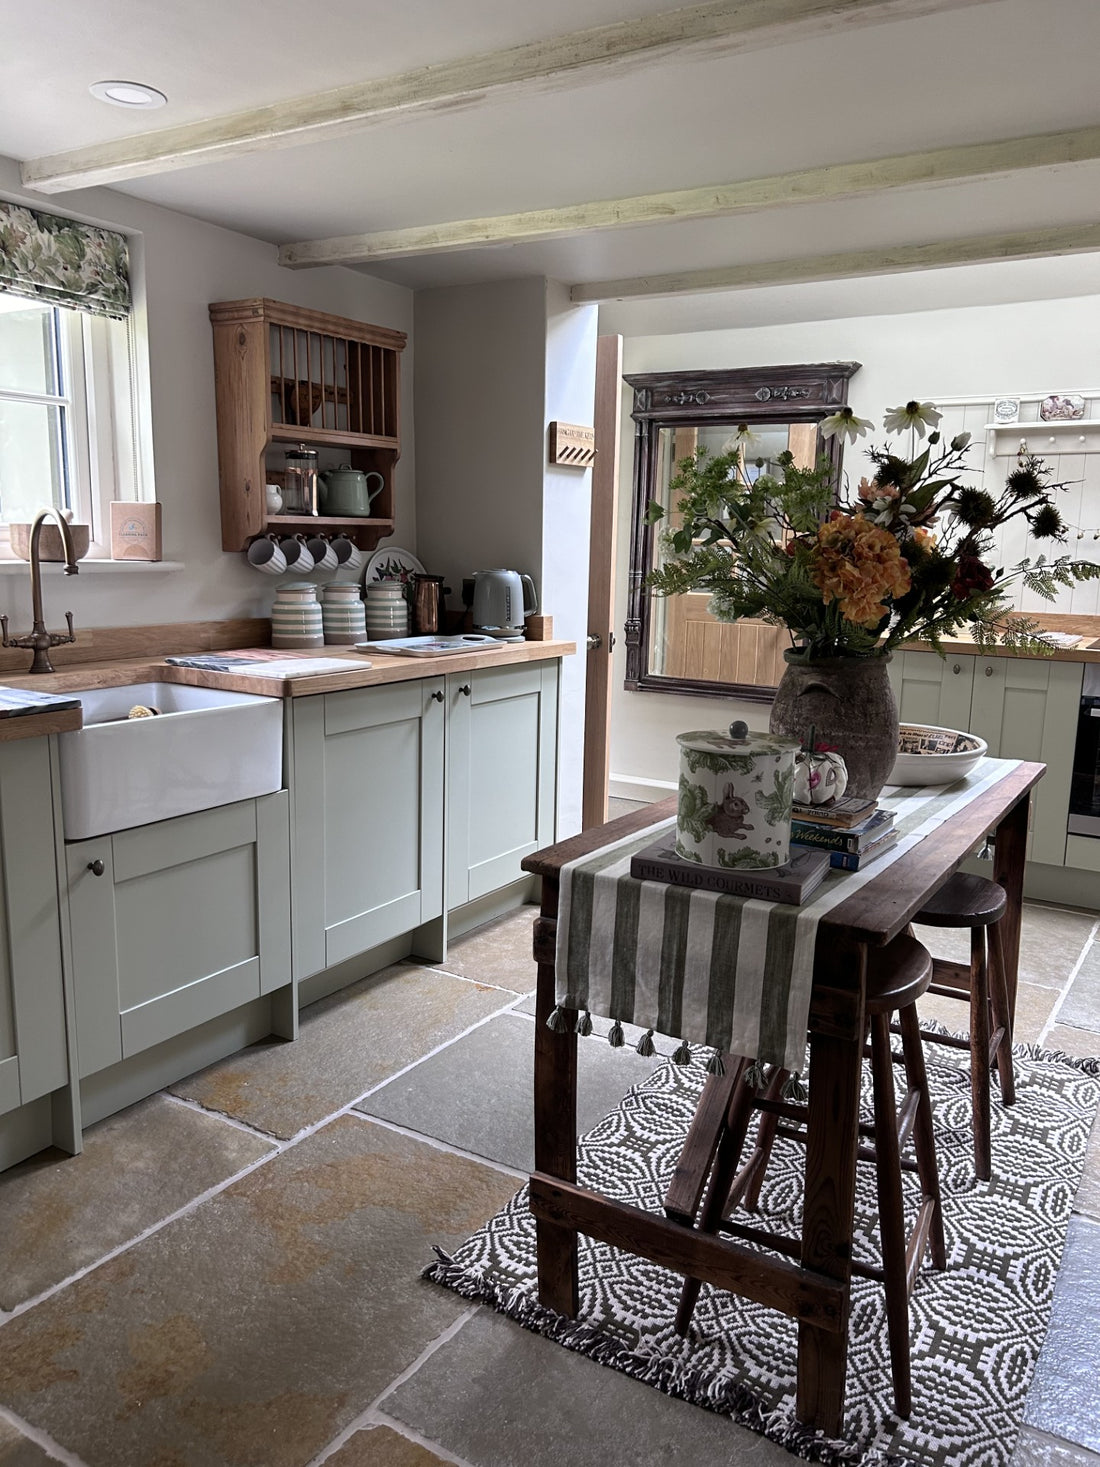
x: 1003, y: 350
x: 183, y: 264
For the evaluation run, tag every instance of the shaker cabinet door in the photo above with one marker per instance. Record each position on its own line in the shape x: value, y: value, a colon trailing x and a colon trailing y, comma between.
x: 33, y: 1045
x: 501, y: 774
x: 175, y: 923
x: 368, y: 818
x: 930, y: 690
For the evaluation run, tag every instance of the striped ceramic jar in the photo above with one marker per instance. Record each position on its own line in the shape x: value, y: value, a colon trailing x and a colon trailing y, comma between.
x: 342, y: 614
x: 387, y: 610
x: 296, y: 616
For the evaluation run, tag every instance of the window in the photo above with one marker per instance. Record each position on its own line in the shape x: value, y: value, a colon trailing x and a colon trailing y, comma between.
x: 66, y: 414
x: 68, y: 418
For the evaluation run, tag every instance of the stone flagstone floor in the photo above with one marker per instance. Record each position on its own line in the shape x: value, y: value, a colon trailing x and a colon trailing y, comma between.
x: 229, y: 1275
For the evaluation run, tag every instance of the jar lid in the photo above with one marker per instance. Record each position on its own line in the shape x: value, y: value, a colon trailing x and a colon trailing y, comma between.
x: 713, y: 741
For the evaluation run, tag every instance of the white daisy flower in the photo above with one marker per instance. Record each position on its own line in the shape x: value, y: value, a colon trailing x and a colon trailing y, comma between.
x: 845, y: 423
x: 915, y: 415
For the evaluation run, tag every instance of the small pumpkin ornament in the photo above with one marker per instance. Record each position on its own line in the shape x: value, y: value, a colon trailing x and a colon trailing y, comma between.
x: 820, y: 776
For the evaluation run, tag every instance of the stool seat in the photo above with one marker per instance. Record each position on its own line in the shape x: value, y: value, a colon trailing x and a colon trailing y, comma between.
x: 897, y: 974
x: 964, y: 901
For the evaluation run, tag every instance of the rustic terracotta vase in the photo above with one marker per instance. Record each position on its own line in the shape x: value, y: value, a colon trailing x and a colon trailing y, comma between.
x: 850, y: 704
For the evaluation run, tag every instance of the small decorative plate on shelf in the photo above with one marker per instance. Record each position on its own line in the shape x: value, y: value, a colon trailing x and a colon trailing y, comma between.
x: 928, y: 754
x: 393, y: 564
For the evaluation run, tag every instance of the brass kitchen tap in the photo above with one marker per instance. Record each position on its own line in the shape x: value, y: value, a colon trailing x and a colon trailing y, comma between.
x: 38, y: 637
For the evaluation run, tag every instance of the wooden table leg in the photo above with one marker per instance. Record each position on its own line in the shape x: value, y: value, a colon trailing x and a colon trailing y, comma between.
x: 836, y: 1054
x: 1008, y: 871
x: 555, y: 1118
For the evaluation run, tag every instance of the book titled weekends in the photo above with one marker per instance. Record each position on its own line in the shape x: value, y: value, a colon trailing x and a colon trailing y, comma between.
x: 792, y: 883
x: 836, y: 838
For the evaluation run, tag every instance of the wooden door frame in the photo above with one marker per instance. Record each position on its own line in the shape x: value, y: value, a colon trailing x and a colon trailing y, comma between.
x: 601, y: 580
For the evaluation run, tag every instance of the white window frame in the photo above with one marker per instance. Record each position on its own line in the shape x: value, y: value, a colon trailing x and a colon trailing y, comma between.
x: 100, y: 402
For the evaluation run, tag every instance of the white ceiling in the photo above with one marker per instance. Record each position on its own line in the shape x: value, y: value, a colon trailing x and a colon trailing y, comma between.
x: 703, y: 116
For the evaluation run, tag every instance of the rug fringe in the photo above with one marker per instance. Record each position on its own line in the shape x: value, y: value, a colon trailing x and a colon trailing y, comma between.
x: 1088, y: 1064
x: 727, y: 1398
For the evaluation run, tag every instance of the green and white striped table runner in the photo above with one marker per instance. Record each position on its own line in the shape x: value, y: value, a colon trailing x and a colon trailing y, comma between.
x: 731, y: 972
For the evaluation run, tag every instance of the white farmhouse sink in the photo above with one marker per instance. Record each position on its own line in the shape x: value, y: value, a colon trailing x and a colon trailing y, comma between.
x: 206, y: 748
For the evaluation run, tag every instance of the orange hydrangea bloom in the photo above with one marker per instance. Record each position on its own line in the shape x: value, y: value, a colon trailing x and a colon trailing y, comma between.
x: 858, y: 564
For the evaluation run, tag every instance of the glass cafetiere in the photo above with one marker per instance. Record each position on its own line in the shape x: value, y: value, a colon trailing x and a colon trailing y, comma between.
x: 300, y: 493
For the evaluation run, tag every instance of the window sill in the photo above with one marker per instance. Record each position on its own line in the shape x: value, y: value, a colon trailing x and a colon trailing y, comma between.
x: 97, y: 567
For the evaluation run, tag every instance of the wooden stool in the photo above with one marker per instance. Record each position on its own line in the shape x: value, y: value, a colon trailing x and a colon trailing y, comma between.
x: 897, y: 976
x: 974, y: 902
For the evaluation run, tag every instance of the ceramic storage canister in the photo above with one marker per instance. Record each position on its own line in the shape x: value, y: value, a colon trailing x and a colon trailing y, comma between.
x: 342, y: 613
x: 296, y: 616
x: 387, y: 610
x: 735, y: 798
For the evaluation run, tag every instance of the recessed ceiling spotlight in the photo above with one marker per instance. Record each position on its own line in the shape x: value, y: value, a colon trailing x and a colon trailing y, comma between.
x: 127, y: 94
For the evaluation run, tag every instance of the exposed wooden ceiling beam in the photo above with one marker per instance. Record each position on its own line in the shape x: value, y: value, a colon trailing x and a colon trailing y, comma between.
x: 830, y: 184
x: 1068, y: 239
x: 737, y: 25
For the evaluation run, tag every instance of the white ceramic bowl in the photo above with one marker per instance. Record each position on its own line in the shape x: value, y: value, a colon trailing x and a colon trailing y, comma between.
x: 928, y: 754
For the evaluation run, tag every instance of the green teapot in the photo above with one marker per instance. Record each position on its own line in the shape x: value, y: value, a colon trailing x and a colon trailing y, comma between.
x: 348, y: 491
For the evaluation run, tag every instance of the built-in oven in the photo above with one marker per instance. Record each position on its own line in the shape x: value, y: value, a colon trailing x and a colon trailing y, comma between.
x: 1084, y: 799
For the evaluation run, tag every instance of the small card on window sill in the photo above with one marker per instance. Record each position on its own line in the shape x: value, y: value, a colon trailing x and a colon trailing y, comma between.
x: 135, y: 530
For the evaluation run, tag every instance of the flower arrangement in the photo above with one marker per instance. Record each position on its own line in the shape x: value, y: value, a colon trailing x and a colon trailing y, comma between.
x: 908, y: 554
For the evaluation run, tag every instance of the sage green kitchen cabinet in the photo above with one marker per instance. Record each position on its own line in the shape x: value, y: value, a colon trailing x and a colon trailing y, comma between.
x: 501, y: 774
x: 367, y: 776
x: 176, y: 923
x: 33, y: 1044
x: 1024, y: 708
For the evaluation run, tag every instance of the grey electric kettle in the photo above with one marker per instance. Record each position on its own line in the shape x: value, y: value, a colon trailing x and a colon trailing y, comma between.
x: 502, y: 598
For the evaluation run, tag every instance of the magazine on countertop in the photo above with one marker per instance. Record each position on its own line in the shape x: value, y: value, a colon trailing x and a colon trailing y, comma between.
x: 792, y: 883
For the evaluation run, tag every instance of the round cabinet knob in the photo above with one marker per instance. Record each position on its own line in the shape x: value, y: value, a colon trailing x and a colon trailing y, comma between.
x: 97, y: 868
x: 437, y: 697
x: 464, y: 689
x: 956, y: 668
x: 989, y: 672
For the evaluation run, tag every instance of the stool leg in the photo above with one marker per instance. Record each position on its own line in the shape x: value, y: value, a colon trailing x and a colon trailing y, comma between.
x: 924, y: 1140
x: 714, y: 1203
x: 890, y: 1210
x: 765, y: 1140
x: 998, y: 992
x: 979, y: 1051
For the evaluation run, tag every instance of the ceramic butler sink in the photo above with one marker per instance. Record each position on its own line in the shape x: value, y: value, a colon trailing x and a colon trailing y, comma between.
x: 205, y: 748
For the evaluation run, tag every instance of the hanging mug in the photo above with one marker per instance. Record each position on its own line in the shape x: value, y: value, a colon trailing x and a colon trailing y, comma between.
x: 297, y: 553
x: 348, y: 553
x: 324, y: 557
x: 266, y: 554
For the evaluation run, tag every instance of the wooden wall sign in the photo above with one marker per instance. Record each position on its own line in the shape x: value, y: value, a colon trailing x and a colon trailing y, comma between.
x: 572, y: 445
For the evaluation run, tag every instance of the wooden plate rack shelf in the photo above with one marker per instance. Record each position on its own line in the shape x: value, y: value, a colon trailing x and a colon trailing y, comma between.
x: 285, y: 375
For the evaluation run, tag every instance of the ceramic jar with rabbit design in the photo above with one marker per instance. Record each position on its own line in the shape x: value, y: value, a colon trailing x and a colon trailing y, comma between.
x: 734, y: 807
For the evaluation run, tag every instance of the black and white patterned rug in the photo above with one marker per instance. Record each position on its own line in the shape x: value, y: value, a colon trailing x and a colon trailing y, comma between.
x: 976, y: 1329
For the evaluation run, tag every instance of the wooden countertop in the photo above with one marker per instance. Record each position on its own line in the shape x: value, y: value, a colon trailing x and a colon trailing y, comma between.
x: 376, y: 669
x: 1086, y: 627
x: 34, y: 725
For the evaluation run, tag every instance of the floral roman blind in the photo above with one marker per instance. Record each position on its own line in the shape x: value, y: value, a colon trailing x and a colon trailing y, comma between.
x: 49, y: 258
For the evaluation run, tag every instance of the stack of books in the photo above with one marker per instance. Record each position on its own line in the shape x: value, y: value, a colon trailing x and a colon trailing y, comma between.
x: 853, y: 831
x: 793, y: 883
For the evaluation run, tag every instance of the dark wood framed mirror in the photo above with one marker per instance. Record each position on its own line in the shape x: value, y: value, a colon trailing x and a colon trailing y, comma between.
x: 673, y: 644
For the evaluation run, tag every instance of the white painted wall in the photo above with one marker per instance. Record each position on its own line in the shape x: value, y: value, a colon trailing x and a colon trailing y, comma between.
x: 182, y: 265
x: 567, y: 503
x: 480, y: 388
x: 1028, y: 347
